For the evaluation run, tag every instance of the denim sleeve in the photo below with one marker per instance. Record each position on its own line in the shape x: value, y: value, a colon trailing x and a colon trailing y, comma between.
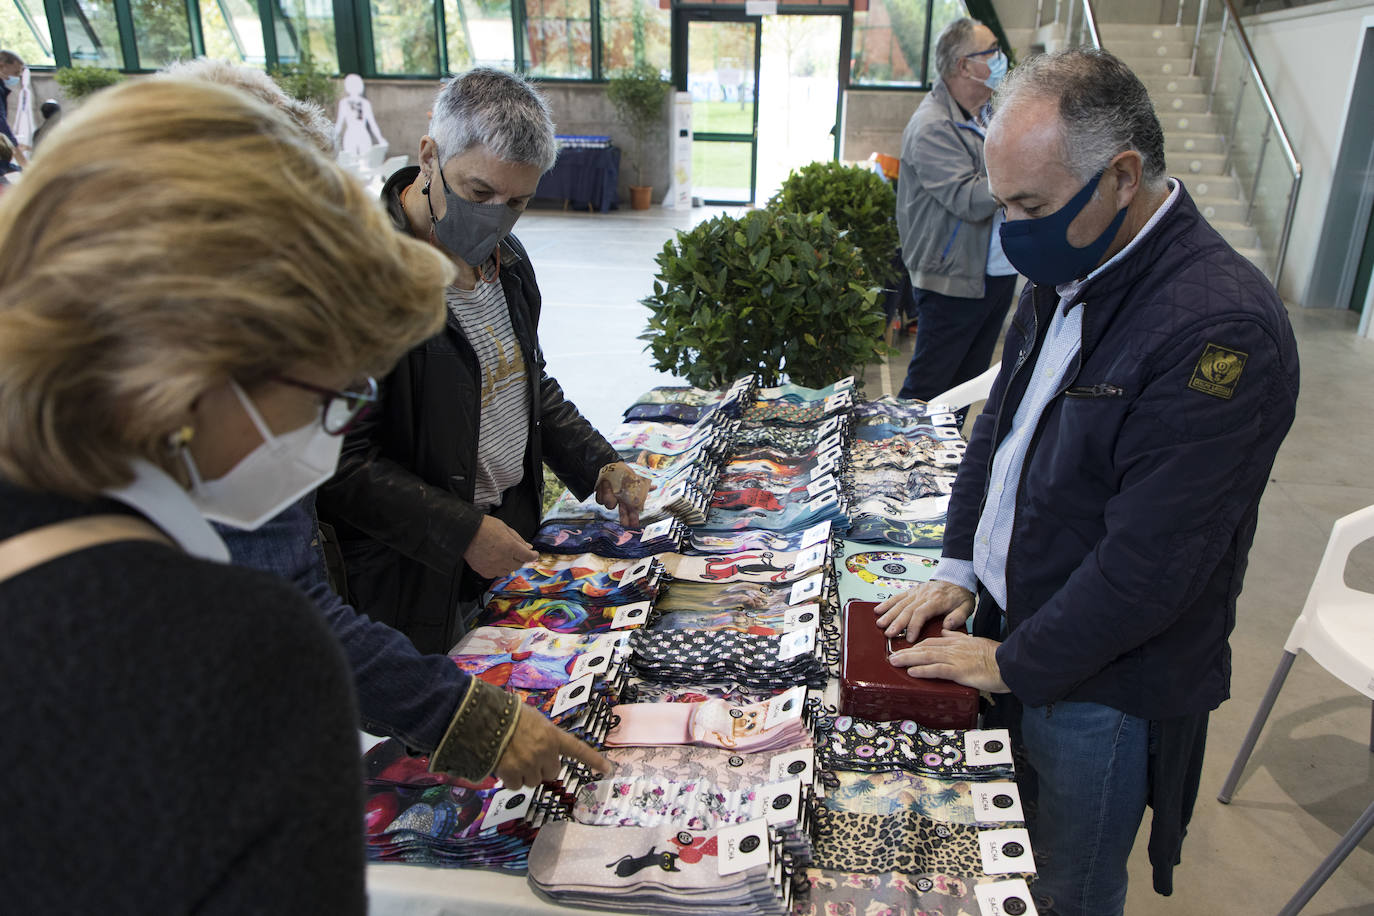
x: 401, y: 693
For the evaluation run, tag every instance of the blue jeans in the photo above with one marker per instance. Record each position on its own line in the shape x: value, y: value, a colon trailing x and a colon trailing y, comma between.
x: 1091, y: 766
x: 955, y: 337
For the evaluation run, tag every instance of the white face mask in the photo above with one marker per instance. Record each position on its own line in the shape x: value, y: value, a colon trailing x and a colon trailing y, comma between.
x: 269, y: 478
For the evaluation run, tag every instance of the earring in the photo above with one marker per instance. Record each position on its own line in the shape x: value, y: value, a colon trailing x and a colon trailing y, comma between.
x: 425, y: 189
x: 176, y: 441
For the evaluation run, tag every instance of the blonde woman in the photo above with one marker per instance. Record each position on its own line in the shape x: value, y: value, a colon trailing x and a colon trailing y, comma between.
x: 192, y: 299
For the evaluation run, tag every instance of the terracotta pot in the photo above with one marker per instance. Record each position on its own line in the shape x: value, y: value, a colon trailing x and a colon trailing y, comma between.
x: 640, y: 197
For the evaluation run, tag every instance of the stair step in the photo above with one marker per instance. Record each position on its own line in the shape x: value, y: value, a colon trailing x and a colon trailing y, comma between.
x: 1221, y: 187
x: 1187, y: 122
x: 1145, y: 67
x: 1125, y: 31
x: 1178, y: 103
x: 1238, y: 235
x: 1161, y: 85
x: 1196, y: 166
x: 1182, y: 143
x: 1148, y: 48
x: 1227, y: 210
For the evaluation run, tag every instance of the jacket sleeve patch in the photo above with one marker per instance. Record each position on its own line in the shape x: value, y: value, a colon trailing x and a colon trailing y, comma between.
x: 1218, y: 371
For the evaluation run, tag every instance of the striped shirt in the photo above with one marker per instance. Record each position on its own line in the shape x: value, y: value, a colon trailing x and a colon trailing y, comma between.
x: 503, y: 431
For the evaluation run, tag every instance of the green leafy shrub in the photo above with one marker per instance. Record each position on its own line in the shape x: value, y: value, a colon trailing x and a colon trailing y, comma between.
x: 772, y: 292
x: 81, y: 80
x: 637, y: 94
x: 856, y: 200
x: 306, y: 82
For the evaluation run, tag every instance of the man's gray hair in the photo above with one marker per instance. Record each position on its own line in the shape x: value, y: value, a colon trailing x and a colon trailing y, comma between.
x: 1104, y: 109
x: 496, y: 109
x: 9, y: 59
x: 952, y: 45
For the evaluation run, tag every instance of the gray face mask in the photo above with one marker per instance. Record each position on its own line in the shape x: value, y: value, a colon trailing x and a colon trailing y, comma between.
x: 470, y: 230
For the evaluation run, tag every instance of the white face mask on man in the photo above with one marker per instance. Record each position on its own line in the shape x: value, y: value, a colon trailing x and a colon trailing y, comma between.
x: 271, y: 477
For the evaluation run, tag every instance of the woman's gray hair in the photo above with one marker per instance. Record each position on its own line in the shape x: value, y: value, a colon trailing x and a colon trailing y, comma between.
x: 1104, y: 109
x: 306, y: 115
x: 952, y: 45
x: 498, y: 110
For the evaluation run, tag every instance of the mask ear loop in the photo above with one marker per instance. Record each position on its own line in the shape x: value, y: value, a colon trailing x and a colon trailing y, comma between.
x: 433, y: 240
x: 496, y: 269
x: 249, y: 408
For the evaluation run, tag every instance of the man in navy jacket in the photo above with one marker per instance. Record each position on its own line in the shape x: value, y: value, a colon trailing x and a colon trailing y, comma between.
x: 1109, y: 495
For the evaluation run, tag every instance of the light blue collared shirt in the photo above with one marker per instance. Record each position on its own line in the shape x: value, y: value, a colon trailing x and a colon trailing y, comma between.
x: 1063, y: 339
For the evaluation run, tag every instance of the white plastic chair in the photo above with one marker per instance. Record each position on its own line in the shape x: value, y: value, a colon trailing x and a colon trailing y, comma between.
x: 965, y: 393
x: 1336, y: 628
x: 374, y: 157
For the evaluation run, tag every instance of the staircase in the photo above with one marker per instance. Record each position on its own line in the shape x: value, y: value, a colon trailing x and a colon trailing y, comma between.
x: 1194, y: 143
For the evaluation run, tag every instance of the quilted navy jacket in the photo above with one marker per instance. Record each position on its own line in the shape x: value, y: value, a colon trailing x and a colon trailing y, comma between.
x: 1139, y: 496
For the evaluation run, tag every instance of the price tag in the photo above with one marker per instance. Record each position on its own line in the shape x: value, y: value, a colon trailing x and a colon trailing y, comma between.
x: 944, y: 419
x: 816, y: 534
x: 1006, y: 852
x: 792, y: 644
x: 630, y: 615
x: 946, y: 432
x: 830, y: 443
x: 658, y: 529
x: 639, y: 571
x: 997, y: 803
x: 829, y: 497
x: 844, y: 384
x: 836, y: 402
x: 782, y: 802
x: 571, y: 695
x: 817, y: 487
x: 949, y: 456
x: 507, y: 805
x: 673, y: 493
x: 1005, y: 898
x: 807, y: 589
x: 785, y: 707
x: 825, y: 464
x: 594, y: 661
x: 810, y: 558
x: 742, y: 846
x: 987, y: 747
x: 796, y: 618
x: 793, y: 764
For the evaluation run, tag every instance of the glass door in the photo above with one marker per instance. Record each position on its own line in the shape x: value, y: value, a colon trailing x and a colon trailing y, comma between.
x: 800, y: 87
x: 723, y: 79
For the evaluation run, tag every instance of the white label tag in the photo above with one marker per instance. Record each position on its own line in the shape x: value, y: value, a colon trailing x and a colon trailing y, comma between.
x: 830, y: 443
x: 816, y: 534
x: 824, y: 465
x: 806, y: 589
x: 946, y: 432
x: 594, y: 661
x: 792, y: 644
x: 810, y: 558
x: 657, y: 530
x: 845, y: 383
x: 943, y: 419
x: 793, y: 765
x: 997, y: 803
x: 630, y: 615
x: 639, y: 571
x: 839, y: 401
x: 507, y: 805
x: 796, y: 618
x: 742, y: 846
x: 829, y: 497
x: 817, y: 487
x: 572, y: 694
x: 785, y: 707
x: 672, y: 494
x: 1005, y: 898
x: 782, y: 802
x: 1006, y: 852
x: 987, y: 747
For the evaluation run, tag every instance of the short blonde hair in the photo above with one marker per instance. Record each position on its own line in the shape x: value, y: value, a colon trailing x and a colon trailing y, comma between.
x: 308, y: 116
x: 170, y: 236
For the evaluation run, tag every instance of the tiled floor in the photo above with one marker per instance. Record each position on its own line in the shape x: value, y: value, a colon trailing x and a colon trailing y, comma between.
x: 1312, y: 773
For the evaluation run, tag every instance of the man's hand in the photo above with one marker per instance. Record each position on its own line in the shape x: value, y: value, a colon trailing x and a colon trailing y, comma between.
x: 964, y: 659
x: 929, y: 599
x: 535, y: 751
x: 497, y: 550
x: 619, y: 487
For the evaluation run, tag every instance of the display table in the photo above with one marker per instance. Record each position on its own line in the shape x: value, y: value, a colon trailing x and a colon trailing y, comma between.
x: 584, y: 179
x: 417, y: 890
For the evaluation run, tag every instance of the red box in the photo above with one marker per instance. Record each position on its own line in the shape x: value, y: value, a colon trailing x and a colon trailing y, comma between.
x: 871, y: 688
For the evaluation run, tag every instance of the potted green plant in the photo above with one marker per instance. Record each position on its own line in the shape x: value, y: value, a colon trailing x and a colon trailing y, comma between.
x: 304, y: 81
x: 637, y: 94
x: 80, y: 80
x: 773, y: 292
x: 857, y: 200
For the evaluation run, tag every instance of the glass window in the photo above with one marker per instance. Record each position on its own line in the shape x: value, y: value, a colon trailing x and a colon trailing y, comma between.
x: 25, y: 27
x: 889, y: 43
x: 942, y: 13
x: 479, y: 34
x: 92, y: 33
x: 162, y: 32
x: 403, y: 37
x: 635, y: 32
x: 558, y: 38
x: 232, y: 31
x: 305, y: 33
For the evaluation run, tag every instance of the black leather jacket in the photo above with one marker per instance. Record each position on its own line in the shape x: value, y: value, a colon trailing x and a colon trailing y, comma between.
x: 401, y: 502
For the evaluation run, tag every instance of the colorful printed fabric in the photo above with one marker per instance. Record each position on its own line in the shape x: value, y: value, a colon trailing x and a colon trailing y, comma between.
x: 529, y: 659
x: 667, y: 413
x: 603, y: 538
x: 895, y: 791
x: 714, y: 723
x: 897, y: 408
x: 729, y: 691
x: 630, y: 799
x: 558, y: 614
x: 840, y: 893
x: 729, y: 768
x: 703, y: 542
x: 905, y: 842
x: 787, y: 441
x: 763, y: 623
x: 873, y: 530
x: 849, y: 743
x: 710, y: 596
x: 690, y: 656
x: 588, y: 578
x: 674, y: 394
x: 747, y: 566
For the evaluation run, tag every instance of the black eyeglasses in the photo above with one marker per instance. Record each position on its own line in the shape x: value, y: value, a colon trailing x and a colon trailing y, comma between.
x: 342, y: 409
x: 995, y: 49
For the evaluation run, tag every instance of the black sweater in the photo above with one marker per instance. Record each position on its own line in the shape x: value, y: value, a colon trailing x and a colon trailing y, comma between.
x: 175, y: 735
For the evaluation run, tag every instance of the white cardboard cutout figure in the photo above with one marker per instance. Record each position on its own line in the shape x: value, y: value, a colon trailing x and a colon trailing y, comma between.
x: 356, y: 129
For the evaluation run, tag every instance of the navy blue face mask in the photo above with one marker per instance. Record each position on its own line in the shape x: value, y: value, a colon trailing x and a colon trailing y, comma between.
x: 1040, y: 250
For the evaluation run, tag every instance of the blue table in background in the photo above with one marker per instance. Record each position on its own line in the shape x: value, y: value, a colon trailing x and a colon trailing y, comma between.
x: 584, y: 179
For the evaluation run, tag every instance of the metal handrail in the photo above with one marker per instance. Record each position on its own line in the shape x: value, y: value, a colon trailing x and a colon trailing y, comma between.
x: 1090, y: 19
x: 1294, y: 165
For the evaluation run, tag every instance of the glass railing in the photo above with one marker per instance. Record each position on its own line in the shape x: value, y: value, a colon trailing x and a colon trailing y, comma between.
x: 1067, y: 24
x: 1258, y: 150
